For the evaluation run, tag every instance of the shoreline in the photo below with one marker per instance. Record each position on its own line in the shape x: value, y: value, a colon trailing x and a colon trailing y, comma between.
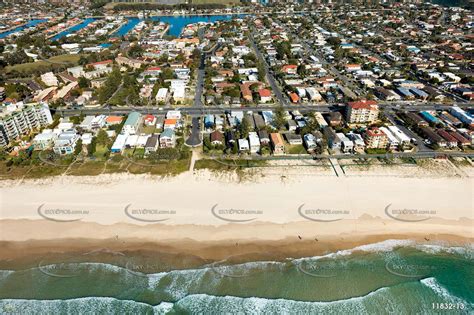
x: 188, y: 254
x: 210, y: 216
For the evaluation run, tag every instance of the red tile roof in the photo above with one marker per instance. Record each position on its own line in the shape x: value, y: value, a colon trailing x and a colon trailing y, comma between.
x: 149, y: 117
x: 294, y: 97
x: 104, y: 62
x: 367, y: 104
x: 375, y: 132
x: 154, y: 69
x: 264, y: 93
x: 285, y: 68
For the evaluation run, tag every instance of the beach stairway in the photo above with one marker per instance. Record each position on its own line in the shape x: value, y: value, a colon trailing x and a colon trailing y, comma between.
x: 336, y: 167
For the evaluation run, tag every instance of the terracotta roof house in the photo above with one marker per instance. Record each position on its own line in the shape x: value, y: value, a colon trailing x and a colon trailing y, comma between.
x: 289, y: 69
x: 216, y: 137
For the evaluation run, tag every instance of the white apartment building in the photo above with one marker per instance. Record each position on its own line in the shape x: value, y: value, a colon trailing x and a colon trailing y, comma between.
x: 362, y: 112
x: 19, y: 119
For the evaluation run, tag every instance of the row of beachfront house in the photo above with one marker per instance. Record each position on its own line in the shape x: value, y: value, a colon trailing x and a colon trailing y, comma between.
x: 131, y: 137
x: 447, y: 129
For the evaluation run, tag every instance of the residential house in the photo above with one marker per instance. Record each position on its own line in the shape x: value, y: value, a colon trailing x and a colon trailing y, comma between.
x: 119, y: 144
x: 451, y: 141
x: 310, y: 141
x: 132, y: 63
x: 216, y: 137
x: 264, y: 138
x: 149, y: 120
x: 254, y: 142
x: 433, y: 137
x: 258, y: 121
x: 359, y: 144
x: 278, y: 145
x: 113, y: 120
x: 167, y: 138
x: 66, y: 142
x: 265, y: 95
x: 289, y: 69
x: 170, y: 123
x: 44, y: 140
x: 333, y: 140
x: 334, y: 119
x: 293, y: 139
x: 132, y: 123
x: 152, y: 144
x: 244, y: 145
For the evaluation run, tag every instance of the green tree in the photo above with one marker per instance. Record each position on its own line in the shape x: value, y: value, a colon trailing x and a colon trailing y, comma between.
x: 235, y: 148
x: 244, y: 128
x: 92, y: 147
x: 167, y: 74
x: 334, y: 41
x: 102, y: 138
x: 302, y: 70
x: 163, y: 58
x: 135, y: 51
x: 83, y: 83
x: 279, y: 119
x: 78, y: 147
x: 111, y: 84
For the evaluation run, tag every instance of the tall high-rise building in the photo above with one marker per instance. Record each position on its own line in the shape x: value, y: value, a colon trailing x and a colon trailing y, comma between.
x: 20, y: 119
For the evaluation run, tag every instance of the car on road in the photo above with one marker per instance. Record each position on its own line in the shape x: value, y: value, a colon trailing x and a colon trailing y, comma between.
x: 414, y: 141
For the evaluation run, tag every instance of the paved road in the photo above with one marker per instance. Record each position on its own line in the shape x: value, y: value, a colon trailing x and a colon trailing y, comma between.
x: 347, y: 82
x: 200, y: 84
x: 195, y: 136
x: 199, y: 111
x: 200, y: 75
x: 270, y: 78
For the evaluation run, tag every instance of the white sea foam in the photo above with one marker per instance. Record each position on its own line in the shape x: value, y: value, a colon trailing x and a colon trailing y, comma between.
x: 255, y: 305
x: 384, y: 246
x: 441, y: 291
x: 389, y: 245
x: 185, y: 278
x: 87, y: 305
x: 154, y: 279
x: 92, y: 266
x: 163, y: 308
x: 4, y: 274
x: 466, y: 251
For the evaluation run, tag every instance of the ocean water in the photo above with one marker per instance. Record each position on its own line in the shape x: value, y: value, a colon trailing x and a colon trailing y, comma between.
x: 391, y: 277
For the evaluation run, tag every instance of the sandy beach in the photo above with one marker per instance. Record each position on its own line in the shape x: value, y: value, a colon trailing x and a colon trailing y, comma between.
x: 233, y: 230
x: 272, y: 209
